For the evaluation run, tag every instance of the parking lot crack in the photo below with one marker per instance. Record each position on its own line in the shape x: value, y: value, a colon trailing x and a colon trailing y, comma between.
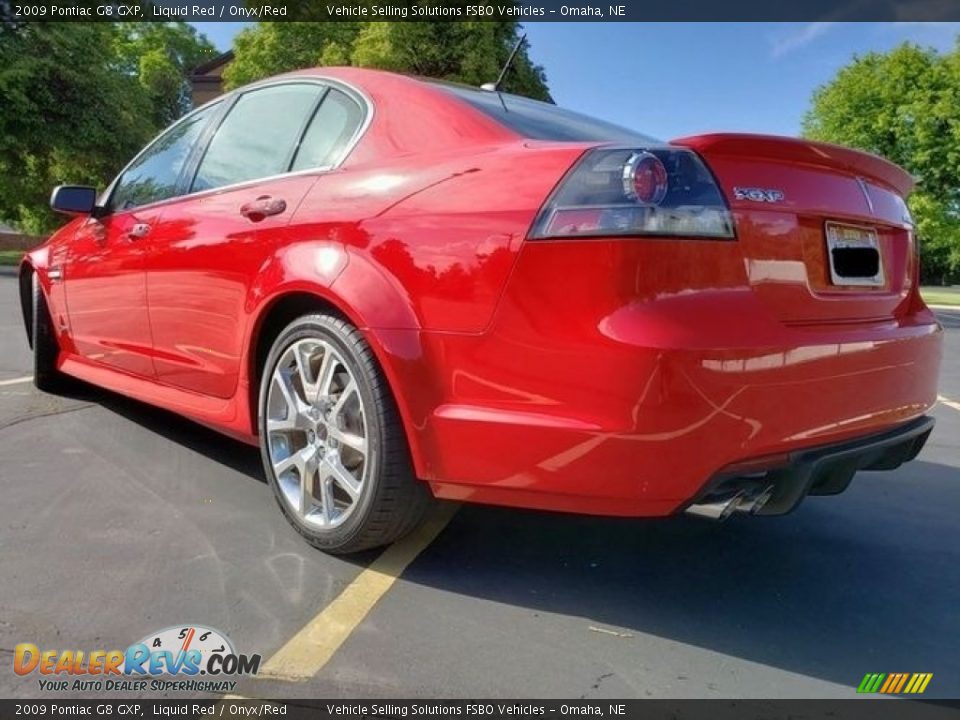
x: 597, y: 683
x: 27, y: 418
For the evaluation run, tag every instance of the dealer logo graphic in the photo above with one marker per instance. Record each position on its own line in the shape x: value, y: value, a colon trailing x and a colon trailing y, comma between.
x: 895, y: 683
x: 184, y: 652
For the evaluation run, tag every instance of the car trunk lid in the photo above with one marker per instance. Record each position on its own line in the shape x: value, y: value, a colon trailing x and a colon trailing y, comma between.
x: 824, y: 230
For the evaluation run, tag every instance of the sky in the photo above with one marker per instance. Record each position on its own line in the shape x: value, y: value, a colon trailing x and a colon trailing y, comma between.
x: 673, y: 79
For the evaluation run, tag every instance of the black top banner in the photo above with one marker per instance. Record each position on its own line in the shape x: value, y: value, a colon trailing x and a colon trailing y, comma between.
x: 14, y: 11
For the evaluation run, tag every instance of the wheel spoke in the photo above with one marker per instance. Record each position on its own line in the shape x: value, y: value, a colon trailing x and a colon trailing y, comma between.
x: 303, y: 370
x: 328, y: 368
x: 348, y: 392
x: 343, y: 477
x: 351, y: 440
x: 295, y: 406
x: 307, y: 499
x: 297, y: 460
x: 326, y: 494
x: 282, y: 424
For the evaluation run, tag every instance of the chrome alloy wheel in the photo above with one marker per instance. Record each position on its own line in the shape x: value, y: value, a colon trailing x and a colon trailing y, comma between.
x: 317, y: 433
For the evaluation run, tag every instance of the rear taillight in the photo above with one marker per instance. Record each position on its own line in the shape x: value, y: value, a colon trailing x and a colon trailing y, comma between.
x: 667, y: 192
x: 645, y: 178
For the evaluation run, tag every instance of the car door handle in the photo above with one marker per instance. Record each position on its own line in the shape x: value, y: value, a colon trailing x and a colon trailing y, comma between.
x: 257, y: 210
x: 140, y: 230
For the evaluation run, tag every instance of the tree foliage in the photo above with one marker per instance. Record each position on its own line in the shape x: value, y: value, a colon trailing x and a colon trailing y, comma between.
x: 903, y: 105
x: 269, y: 48
x: 68, y: 115
x: 467, y: 52
x: 79, y: 99
x: 162, y: 55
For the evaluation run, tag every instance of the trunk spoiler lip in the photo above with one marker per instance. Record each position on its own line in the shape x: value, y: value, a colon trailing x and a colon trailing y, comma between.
x: 809, y: 152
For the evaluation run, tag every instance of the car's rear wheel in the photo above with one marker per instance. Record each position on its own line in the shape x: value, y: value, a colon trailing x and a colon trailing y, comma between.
x: 46, y: 349
x: 333, y: 447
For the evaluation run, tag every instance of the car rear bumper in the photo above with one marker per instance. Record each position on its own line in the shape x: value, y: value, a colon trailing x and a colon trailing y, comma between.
x: 779, y: 485
x: 628, y: 425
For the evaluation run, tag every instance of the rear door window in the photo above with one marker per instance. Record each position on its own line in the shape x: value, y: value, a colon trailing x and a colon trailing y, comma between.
x: 330, y: 132
x: 258, y: 137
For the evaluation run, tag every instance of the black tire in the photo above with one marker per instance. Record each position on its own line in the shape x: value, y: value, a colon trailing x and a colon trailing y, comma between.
x: 392, y: 500
x: 46, y: 350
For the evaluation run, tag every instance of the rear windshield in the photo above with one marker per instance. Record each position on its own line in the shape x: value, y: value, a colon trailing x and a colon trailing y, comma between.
x: 542, y: 121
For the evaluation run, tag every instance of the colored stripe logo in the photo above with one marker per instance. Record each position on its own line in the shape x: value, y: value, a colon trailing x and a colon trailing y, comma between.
x: 895, y: 683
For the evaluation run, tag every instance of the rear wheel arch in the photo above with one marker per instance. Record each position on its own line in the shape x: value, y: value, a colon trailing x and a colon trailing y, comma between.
x: 273, y: 318
x: 282, y: 310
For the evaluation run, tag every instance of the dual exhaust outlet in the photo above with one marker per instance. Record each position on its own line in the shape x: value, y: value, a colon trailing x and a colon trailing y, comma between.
x: 740, y: 502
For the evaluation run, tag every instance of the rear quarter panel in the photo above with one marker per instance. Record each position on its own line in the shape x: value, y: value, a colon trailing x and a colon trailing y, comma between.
x: 428, y: 241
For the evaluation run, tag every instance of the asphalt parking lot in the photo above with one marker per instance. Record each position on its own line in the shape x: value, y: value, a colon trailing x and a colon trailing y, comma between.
x: 117, y: 520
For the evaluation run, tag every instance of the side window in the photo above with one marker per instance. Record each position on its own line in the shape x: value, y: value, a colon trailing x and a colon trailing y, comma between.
x: 257, y: 137
x: 330, y: 130
x: 153, y: 176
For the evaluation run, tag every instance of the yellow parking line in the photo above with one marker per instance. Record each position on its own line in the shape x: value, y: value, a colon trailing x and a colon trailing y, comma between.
x: 17, y: 381
x: 949, y: 403
x: 309, y: 650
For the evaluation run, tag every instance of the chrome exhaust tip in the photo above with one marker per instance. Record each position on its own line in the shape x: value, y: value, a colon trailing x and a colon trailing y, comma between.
x: 753, y: 505
x: 740, y: 502
x: 718, y: 510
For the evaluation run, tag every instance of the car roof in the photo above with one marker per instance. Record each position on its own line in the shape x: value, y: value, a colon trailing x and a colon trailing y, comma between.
x: 409, y: 114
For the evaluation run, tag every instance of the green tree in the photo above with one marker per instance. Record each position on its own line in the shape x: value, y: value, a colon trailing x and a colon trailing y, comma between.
x: 68, y: 115
x: 161, y: 56
x: 79, y: 99
x: 903, y: 105
x: 467, y: 52
x: 270, y: 48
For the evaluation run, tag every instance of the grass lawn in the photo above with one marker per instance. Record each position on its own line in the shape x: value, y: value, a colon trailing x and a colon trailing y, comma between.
x: 10, y: 257
x: 941, y: 295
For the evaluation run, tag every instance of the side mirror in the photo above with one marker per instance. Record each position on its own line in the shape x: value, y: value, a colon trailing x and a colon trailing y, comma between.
x: 73, y: 199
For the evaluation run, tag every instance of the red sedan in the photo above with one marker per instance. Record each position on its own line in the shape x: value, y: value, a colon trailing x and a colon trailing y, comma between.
x: 401, y: 289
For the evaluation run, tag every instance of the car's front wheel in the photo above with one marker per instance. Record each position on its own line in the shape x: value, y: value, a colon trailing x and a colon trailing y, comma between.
x: 333, y: 446
x: 46, y: 349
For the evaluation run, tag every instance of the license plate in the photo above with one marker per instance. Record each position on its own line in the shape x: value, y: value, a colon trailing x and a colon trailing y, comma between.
x: 854, y: 255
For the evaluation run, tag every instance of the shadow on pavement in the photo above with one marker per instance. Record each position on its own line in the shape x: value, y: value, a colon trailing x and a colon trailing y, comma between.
x: 863, y: 582
x: 236, y: 455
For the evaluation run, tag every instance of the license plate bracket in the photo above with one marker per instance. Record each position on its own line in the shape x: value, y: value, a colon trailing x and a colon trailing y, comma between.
x: 853, y: 253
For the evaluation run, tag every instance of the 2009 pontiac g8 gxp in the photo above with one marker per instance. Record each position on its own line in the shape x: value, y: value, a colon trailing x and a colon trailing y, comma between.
x: 402, y: 289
